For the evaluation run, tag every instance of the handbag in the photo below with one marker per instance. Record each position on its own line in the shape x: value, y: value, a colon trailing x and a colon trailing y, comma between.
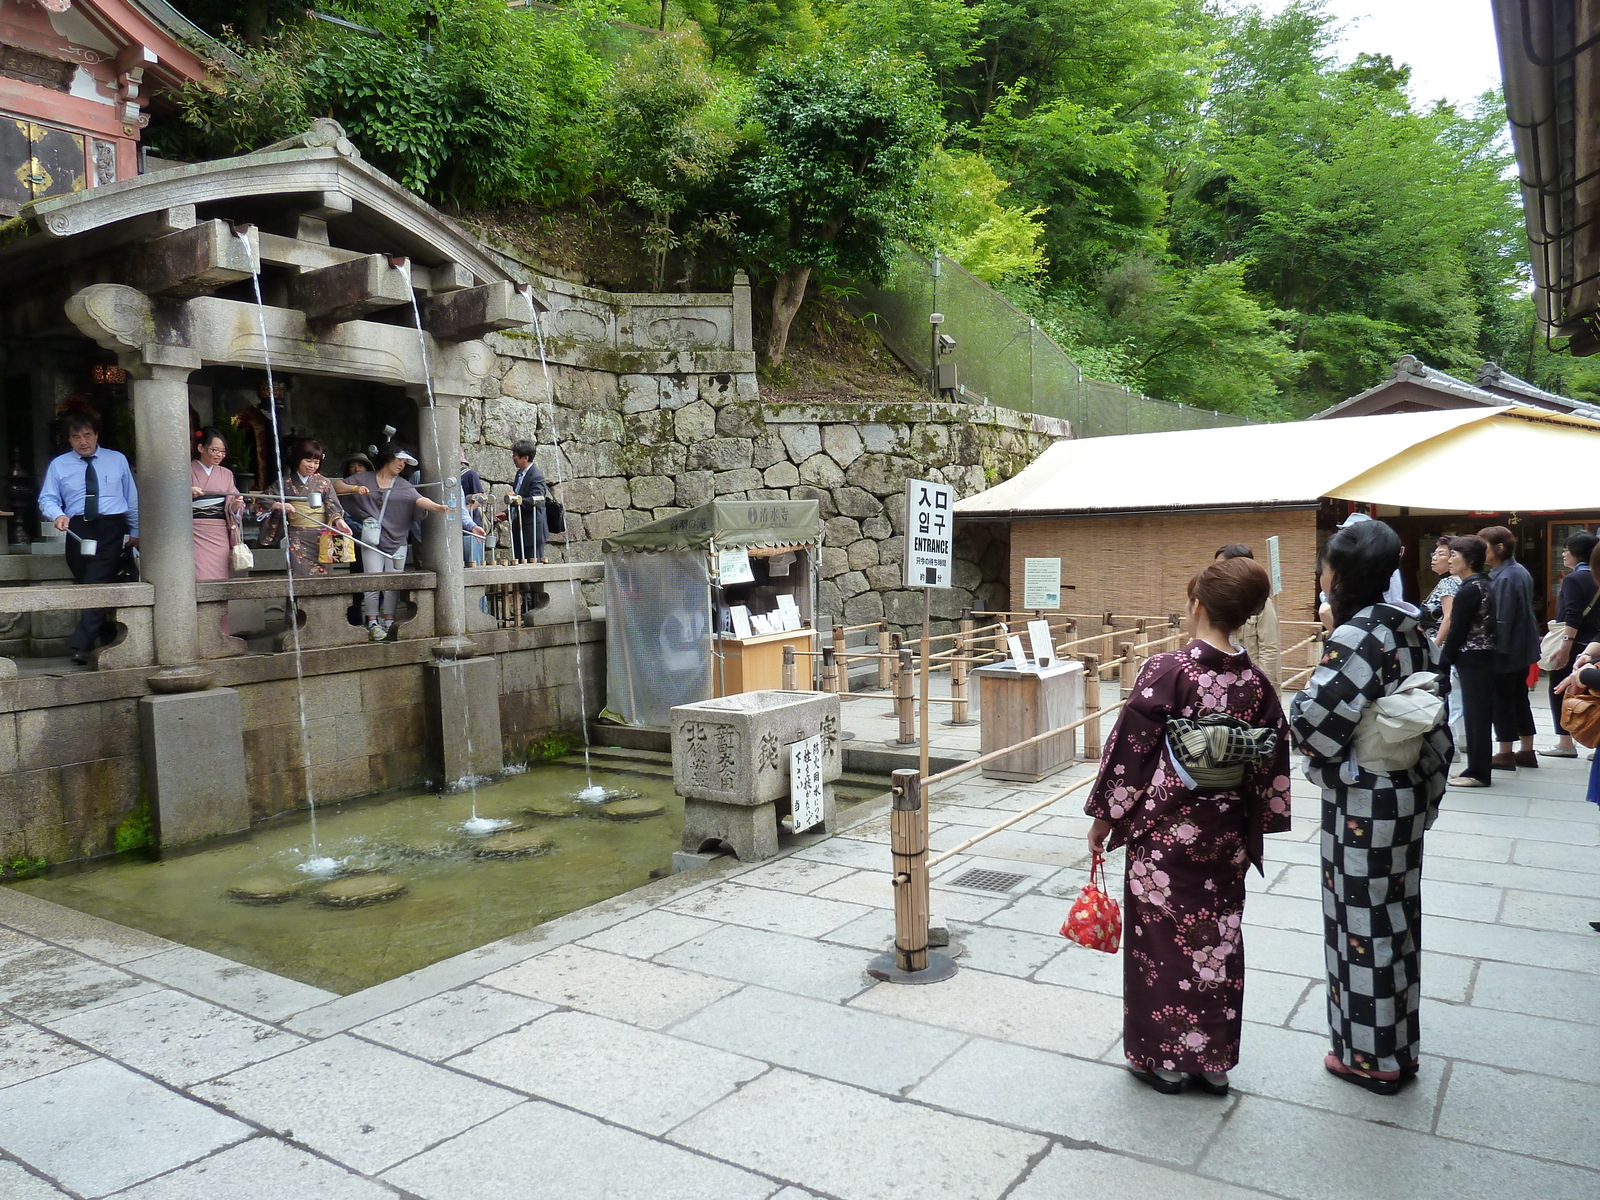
x: 555, y: 515
x: 1580, y: 716
x: 243, y: 560
x: 1214, y: 750
x: 1550, y: 644
x: 1391, y: 730
x: 1095, y: 919
x: 333, y: 547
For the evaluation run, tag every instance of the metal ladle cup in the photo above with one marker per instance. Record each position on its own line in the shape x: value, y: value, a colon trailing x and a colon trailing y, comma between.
x: 316, y: 499
x: 88, y: 547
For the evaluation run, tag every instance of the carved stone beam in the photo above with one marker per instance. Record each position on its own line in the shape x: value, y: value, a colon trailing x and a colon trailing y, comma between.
x: 462, y: 316
x: 192, y: 262
x: 348, y: 290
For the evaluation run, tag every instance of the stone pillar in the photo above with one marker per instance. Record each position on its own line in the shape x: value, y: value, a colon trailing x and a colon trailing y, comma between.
x: 743, y: 329
x: 166, y: 533
x: 441, y: 532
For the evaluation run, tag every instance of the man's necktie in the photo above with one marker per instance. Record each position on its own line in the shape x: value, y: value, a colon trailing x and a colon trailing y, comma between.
x: 91, y: 490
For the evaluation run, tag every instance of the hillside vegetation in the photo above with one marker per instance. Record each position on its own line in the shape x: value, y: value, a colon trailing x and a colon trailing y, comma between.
x: 1198, y: 201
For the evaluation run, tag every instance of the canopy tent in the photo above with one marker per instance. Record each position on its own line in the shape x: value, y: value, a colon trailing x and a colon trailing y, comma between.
x: 730, y: 524
x: 662, y: 628
x: 1490, y: 459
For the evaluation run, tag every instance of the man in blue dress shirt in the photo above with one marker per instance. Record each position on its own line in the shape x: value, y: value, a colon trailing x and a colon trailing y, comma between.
x: 89, y: 494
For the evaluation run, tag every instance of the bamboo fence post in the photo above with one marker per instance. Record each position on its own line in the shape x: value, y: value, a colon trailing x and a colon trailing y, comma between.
x: 910, y: 850
x: 958, y: 677
x: 830, y: 671
x: 1001, y: 629
x: 1091, y: 703
x: 791, y: 680
x: 905, y: 705
x: 841, y: 660
x: 885, y: 648
x: 1107, y: 627
x: 1130, y: 669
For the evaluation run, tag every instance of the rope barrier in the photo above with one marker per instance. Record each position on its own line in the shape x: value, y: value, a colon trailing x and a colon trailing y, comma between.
x: 1010, y: 821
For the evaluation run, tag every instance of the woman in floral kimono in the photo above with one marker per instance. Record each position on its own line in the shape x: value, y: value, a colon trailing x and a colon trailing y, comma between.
x: 1189, y: 844
x: 1372, y: 821
x: 307, y: 517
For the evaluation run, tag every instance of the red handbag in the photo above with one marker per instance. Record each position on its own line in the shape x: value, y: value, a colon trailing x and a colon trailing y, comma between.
x: 1096, y: 919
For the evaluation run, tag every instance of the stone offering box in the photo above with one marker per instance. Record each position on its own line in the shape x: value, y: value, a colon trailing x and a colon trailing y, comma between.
x: 730, y: 763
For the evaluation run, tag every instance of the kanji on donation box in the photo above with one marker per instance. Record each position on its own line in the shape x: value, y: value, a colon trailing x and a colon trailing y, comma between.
x: 930, y: 533
x: 805, y: 783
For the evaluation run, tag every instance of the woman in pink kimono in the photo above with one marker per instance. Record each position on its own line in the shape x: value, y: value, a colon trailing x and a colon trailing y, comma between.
x: 1193, y: 825
x: 218, y: 508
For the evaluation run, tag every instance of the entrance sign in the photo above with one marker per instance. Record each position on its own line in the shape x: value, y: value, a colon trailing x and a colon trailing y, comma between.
x: 1275, y: 565
x: 930, y: 536
x: 1041, y: 583
x: 805, y: 783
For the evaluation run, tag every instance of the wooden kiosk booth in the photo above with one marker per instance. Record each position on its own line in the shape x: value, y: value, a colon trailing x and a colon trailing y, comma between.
x: 702, y: 603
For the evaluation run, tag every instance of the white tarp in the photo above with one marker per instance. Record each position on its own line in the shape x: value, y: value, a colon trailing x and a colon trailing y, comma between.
x: 1476, y: 459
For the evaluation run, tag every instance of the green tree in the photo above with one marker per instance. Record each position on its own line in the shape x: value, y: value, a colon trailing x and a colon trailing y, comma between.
x: 968, y: 221
x: 836, y: 172
x: 741, y: 31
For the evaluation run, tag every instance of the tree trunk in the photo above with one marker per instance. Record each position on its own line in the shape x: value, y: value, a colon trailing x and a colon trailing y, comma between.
x: 255, y: 22
x: 787, y: 294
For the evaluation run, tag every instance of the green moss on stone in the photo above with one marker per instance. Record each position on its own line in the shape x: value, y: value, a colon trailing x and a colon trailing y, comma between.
x: 134, y: 833
x: 23, y: 866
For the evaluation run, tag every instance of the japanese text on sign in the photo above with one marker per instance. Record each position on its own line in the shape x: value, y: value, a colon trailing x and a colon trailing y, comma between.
x: 805, y: 783
x: 930, y: 533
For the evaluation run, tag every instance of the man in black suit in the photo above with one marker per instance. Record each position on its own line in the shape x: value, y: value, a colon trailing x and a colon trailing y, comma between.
x: 528, y: 493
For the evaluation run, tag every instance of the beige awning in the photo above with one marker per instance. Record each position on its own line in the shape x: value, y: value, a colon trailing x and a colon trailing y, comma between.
x: 1463, y: 460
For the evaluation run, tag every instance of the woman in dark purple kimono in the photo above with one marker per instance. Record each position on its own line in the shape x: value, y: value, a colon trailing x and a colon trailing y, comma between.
x: 1189, y: 846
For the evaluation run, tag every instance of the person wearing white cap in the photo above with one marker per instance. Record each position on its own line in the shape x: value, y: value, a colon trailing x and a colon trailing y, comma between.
x: 384, y: 517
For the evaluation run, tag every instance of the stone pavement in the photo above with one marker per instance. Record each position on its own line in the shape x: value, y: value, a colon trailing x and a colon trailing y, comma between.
x: 713, y: 1035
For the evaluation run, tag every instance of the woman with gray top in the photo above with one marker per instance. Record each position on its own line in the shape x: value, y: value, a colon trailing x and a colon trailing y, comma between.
x: 383, y: 519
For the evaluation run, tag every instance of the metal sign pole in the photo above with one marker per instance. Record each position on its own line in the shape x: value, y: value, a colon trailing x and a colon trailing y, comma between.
x: 922, y: 727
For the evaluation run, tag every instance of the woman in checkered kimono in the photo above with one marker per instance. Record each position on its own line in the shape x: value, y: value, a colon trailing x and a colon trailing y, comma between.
x: 1372, y: 822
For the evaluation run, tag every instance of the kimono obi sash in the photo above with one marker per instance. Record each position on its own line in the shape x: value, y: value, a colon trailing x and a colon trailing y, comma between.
x: 1215, y: 750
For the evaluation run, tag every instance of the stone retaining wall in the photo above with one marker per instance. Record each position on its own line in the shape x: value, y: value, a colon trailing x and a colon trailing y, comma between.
x: 642, y: 435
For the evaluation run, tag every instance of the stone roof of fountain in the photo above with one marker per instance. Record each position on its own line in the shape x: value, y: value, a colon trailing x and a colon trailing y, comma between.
x: 259, y: 187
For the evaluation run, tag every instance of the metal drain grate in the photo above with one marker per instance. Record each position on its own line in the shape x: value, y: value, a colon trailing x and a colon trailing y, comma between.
x: 988, y: 881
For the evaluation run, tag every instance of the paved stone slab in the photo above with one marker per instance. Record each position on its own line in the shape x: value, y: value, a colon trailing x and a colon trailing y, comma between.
x: 250, y: 990
x: 873, y: 888
x: 848, y: 1142
x: 1533, y: 879
x: 1513, y: 1040
x: 1444, y: 844
x: 611, y: 985
x: 1530, y: 1114
x: 1271, y: 998
x: 176, y: 1038
x: 1080, y: 1172
x: 74, y: 930
x: 1286, y: 951
x: 261, y: 1169
x: 41, y: 984
x: 1068, y: 1097
x: 1287, y: 1064
x: 1024, y: 847
x: 775, y: 960
x: 997, y: 1006
x: 647, y: 1081
x: 1080, y: 967
x: 781, y: 912
x: 1565, y: 995
x: 540, y: 1152
x: 1523, y: 828
x: 27, y: 1051
x: 1306, y: 1154
x: 12, y: 942
x: 367, y: 1106
x: 1007, y: 951
x: 849, y: 852
x: 1557, y: 857
x: 1284, y: 912
x: 453, y: 1021
x: 1034, y: 913
x: 1544, y: 910
x: 17, y: 1184
x: 795, y: 875
x: 1531, y: 947
x: 862, y: 1048
x: 648, y: 935
x: 873, y: 931
x: 98, y: 1127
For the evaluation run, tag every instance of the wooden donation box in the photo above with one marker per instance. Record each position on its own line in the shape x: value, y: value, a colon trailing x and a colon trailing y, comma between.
x: 1019, y: 704
x: 755, y: 664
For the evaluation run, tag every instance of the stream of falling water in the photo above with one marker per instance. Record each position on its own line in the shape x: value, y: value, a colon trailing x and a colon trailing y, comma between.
x: 592, y: 792
x: 317, y: 863
x: 474, y: 824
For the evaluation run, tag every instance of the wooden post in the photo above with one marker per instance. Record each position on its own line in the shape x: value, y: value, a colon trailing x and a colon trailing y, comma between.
x: 910, y: 850
x: 1091, y: 703
x: 905, y: 701
x: 885, y: 648
x: 958, y: 677
x: 1107, y: 627
x: 1129, y: 668
x: 830, y: 670
x: 1001, y: 629
x: 841, y: 660
x: 791, y: 680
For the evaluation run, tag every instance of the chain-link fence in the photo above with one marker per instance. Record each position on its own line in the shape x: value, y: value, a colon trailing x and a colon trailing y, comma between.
x: 1001, y: 355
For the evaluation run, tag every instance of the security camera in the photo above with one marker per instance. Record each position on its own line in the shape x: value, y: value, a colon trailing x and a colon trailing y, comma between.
x: 946, y: 343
